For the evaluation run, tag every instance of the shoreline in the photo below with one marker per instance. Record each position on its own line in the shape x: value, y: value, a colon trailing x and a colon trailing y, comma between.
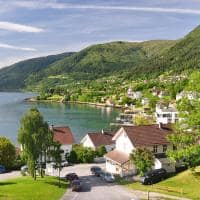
x: 33, y: 100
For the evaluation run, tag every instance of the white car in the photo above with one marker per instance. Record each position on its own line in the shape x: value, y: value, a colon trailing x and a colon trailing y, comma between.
x: 108, y: 177
x: 64, y: 164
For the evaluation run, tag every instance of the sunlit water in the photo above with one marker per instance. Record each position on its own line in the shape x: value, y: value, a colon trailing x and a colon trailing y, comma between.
x: 80, y: 118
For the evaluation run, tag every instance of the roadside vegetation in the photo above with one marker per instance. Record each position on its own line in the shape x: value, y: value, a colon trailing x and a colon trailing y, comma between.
x: 80, y: 154
x: 184, y: 184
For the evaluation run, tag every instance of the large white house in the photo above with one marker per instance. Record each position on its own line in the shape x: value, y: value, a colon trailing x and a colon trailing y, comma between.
x: 129, y: 138
x: 64, y: 136
x: 95, y: 140
x: 166, y: 115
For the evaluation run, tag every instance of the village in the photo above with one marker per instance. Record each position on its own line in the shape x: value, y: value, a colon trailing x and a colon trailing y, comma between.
x: 99, y: 100
x: 138, y: 147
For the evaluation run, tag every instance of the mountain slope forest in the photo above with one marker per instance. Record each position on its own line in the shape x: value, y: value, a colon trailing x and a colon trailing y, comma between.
x: 14, y: 76
x: 102, y: 64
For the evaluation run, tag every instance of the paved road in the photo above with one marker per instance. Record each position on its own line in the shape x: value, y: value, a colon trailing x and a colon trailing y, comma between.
x: 94, y: 188
x: 10, y: 175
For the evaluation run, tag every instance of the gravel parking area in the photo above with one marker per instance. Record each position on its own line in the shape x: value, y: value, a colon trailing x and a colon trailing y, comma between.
x: 93, y: 187
x: 10, y: 175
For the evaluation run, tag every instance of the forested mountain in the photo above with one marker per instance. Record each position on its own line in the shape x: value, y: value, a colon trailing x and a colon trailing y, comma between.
x: 124, y: 59
x: 14, y: 76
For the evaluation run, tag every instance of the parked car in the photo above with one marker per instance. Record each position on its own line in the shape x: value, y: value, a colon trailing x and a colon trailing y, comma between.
x: 102, y: 174
x: 24, y: 169
x: 71, y: 176
x: 64, y: 164
x: 95, y: 170
x: 2, y: 169
x: 76, y: 185
x: 108, y: 177
x: 153, y: 176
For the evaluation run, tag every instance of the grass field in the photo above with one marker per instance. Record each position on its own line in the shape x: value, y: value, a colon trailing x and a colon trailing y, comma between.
x: 25, y: 188
x: 185, y: 184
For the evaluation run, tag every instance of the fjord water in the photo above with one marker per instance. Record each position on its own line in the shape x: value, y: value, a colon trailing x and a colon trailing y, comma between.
x: 80, y: 118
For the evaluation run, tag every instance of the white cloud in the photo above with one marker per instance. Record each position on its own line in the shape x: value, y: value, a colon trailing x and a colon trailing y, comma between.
x: 7, y: 46
x: 43, y: 4
x: 19, y: 27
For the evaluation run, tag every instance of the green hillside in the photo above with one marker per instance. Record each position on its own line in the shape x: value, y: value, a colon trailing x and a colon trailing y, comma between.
x: 127, y: 60
x: 14, y: 76
x: 105, y: 59
x: 102, y: 60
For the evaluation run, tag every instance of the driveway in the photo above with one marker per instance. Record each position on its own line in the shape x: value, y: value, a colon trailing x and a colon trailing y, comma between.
x: 10, y: 175
x: 93, y: 187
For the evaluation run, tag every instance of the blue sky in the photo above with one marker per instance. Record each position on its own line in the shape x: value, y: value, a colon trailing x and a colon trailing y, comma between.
x: 32, y: 28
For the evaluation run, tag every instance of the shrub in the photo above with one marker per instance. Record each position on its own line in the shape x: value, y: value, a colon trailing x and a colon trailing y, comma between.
x: 7, y: 153
x: 80, y: 154
x: 101, y: 151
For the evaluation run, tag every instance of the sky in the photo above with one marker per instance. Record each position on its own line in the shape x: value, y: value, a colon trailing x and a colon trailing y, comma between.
x: 33, y: 28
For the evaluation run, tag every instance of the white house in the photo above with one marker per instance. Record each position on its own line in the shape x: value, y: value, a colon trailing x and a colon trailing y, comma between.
x: 165, y: 114
x: 64, y: 136
x: 129, y: 138
x: 187, y: 94
x: 94, y: 140
x: 145, y: 101
x: 134, y: 95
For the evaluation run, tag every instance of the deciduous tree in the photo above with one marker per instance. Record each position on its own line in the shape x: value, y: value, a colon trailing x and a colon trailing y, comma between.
x: 7, y: 152
x: 186, y: 135
x: 143, y: 159
x: 35, y: 137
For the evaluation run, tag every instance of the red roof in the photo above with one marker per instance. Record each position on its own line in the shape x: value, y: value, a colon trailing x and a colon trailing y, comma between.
x: 99, y: 139
x: 63, y: 135
x: 148, y: 135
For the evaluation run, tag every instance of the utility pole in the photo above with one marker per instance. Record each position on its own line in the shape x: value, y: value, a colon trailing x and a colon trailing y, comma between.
x: 148, y: 195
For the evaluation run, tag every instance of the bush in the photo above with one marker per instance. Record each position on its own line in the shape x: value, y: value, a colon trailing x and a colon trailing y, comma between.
x: 101, y: 151
x: 80, y: 154
x: 72, y: 157
x: 18, y: 163
x: 7, y: 153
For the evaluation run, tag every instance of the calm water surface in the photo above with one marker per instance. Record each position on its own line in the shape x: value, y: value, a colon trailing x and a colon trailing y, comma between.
x: 80, y: 118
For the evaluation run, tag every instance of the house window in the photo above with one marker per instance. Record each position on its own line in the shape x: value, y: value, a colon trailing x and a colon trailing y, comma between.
x: 164, y: 148
x: 155, y: 149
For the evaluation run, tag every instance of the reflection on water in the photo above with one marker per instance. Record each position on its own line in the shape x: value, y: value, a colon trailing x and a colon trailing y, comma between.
x: 79, y: 117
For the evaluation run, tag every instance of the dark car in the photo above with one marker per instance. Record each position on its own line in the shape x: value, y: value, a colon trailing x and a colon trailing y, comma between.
x: 153, y: 176
x: 71, y: 176
x: 95, y: 170
x: 76, y: 185
x: 2, y: 169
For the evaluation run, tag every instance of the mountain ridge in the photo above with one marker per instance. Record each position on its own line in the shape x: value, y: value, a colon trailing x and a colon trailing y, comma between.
x: 126, y: 59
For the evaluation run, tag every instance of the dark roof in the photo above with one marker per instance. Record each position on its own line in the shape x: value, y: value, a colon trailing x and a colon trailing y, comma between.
x: 63, y: 135
x: 148, y: 135
x: 99, y: 139
x: 118, y: 156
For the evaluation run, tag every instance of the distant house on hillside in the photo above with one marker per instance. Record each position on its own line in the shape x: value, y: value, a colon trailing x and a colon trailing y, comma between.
x: 187, y: 94
x: 165, y: 114
x: 129, y: 138
x: 145, y: 101
x: 64, y: 136
x: 95, y: 140
x: 134, y: 95
x: 110, y: 103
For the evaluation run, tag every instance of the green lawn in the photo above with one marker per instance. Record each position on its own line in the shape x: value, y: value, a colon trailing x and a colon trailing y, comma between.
x: 184, y: 182
x: 25, y: 188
